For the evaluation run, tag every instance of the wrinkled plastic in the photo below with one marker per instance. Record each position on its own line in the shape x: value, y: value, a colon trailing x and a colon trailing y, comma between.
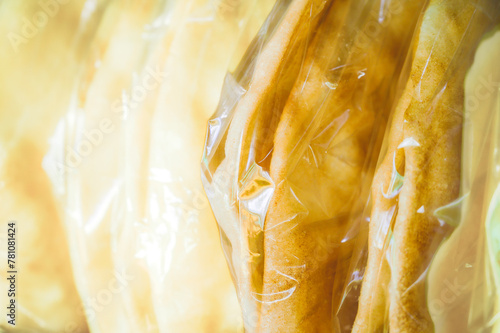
x: 326, y: 225
x: 134, y: 207
x: 463, y: 289
x: 288, y: 235
x: 418, y: 191
x: 355, y: 144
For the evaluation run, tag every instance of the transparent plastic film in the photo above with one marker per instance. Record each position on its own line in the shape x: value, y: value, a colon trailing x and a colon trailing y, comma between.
x: 124, y: 159
x: 350, y: 175
x: 38, y: 40
x: 423, y: 226
x: 463, y: 286
x: 290, y: 156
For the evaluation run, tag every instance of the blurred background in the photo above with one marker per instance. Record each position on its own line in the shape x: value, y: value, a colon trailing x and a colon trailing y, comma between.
x: 103, y: 111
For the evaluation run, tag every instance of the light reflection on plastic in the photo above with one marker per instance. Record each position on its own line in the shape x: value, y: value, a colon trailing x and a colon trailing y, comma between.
x: 396, y: 182
x: 279, y: 296
x: 384, y: 227
x: 102, y: 208
x: 88, y: 9
x: 409, y: 142
x: 451, y: 213
x: 160, y: 175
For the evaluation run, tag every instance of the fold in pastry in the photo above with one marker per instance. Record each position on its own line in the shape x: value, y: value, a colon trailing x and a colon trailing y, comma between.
x: 421, y: 169
x: 321, y: 159
x: 249, y: 139
x: 297, y: 149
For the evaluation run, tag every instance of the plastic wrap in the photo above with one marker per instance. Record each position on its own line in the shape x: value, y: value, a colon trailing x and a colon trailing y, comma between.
x: 123, y: 238
x: 312, y: 202
x: 287, y: 235
x: 351, y: 164
x: 31, y: 57
x: 417, y: 186
x: 134, y: 207
x: 463, y: 289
